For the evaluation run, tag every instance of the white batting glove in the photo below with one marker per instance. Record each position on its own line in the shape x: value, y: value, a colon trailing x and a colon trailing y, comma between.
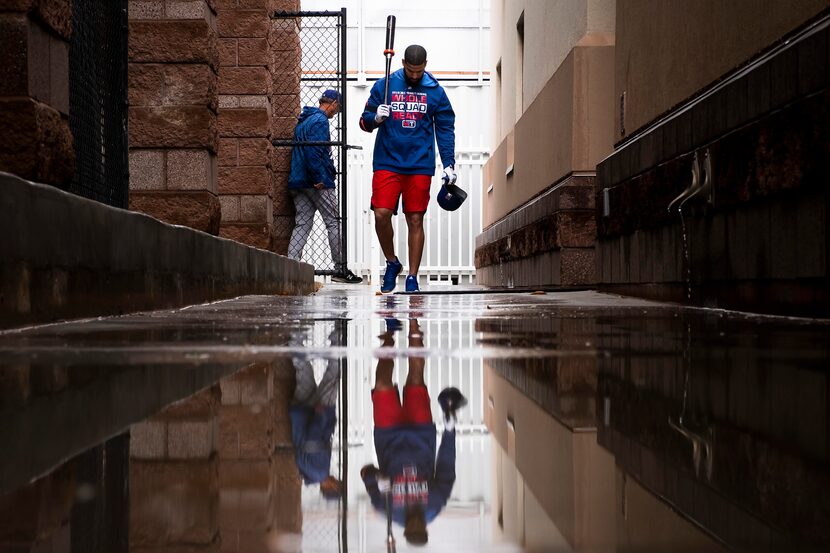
x: 384, y: 484
x: 449, y: 176
x: 382, y: 113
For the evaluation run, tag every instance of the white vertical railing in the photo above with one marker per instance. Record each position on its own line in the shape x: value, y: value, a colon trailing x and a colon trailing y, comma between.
x: 449, y: 248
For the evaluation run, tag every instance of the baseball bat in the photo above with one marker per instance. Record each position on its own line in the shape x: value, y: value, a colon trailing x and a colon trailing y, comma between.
x: 389, y: 51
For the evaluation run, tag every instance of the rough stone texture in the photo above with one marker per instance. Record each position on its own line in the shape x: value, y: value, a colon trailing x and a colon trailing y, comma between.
x: 36, y: 142
x: 285, y: 105
x: 174, y: 41
x: 243, y: 180
x: 228, y: 152
x: 254, y: 151
x: 243, y: 23
x: 173, y: 127
x: 153, y: 9
x: 283, y: 127
x: 546, y: 242
x: 254, y: 209
x: 147, y: 170
x: 191, y: 170
x: 230, y: 208
x: 13, y: 54
x: 243, y: 122
x: 244, y: 80
x: 253, y: 234
x: 228, y: 52
x: 253, y: 51
x: 196, y: 209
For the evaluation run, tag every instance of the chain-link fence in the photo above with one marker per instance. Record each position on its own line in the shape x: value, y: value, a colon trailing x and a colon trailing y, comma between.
x: 98, y: 100
x: 318, y: 233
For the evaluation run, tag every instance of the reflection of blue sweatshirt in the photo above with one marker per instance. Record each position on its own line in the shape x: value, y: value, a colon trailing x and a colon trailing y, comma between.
x: 311, y: 431
x: 311, y: 164
x: 406, y: 454
x: 419, y: 116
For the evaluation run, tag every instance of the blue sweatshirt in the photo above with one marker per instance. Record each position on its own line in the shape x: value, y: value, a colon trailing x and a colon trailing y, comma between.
x: 419, y: 116
x: 311, y: 164
x: 311, y: 431
x: 406, y: 454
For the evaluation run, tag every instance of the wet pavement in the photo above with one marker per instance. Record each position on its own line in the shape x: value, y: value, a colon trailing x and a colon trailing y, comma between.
x: 593, y: 423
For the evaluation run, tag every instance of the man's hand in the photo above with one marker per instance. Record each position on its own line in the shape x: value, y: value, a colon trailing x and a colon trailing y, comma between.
x: 368, y: 470
x: 384, y: 484
x: 382, y: 113
x: 449, y: 176
x: 319, y: 186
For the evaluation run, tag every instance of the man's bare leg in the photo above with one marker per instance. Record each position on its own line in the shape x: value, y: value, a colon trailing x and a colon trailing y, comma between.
x: 415, y: 223
x: 385, y: 232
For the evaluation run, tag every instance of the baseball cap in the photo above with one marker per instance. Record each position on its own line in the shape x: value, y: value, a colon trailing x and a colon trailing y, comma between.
x: 331, y: 95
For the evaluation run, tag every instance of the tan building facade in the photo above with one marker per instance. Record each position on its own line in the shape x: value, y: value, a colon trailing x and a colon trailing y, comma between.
x: 553, y: 67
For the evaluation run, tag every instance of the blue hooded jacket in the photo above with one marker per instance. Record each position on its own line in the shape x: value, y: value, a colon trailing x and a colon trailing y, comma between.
x: 311, y: 431
x: 411, y: 449
x: 419, y: 116
x: 311, y: 164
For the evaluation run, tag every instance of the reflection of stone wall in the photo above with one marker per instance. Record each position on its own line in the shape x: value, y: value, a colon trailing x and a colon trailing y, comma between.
x: 35, y: 517
x: 35, y: 142
x: 172, y: 94
x: 174, y: 477
x: 260, y: 488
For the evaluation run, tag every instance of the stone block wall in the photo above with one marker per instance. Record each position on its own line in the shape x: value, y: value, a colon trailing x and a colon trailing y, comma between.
x: 251, y: 174
x: 36, y: 142
x: 174, y: 478
x: 260, y: 485
x: 173, y: 95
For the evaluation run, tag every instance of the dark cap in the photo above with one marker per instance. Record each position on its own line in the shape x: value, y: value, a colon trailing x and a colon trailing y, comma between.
x: 330, y: 95
x: 415, y: 54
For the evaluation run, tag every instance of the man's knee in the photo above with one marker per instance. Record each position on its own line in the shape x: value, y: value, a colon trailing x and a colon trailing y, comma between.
x: 415, y: 220
x: 383, y: 216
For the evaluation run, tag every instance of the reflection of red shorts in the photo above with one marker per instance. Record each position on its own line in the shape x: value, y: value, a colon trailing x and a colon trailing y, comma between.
x: 388, y: 187
x: 388, y: 410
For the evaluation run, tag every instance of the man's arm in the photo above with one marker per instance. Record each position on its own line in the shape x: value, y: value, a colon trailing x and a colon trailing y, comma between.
x: 444, y: 121
x: 367, y: 120
x: 444, y: 469
x: 369, y: 475
x: 316, y: 159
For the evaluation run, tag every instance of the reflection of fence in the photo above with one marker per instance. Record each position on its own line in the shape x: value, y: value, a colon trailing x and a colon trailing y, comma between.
x: 98, y: 100
x: 449, y: 250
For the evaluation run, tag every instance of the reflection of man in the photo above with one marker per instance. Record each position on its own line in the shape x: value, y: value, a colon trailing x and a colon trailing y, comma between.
x: 405, y: 443
x: 313, y: 418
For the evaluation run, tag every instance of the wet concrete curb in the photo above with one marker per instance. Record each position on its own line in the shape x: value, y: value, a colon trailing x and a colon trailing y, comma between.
x: 63, y: 256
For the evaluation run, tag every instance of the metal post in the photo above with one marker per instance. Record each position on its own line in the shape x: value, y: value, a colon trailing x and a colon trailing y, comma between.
x: 344, y: 152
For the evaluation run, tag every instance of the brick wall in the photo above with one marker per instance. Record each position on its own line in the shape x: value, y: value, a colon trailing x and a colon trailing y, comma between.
x: 255, y: 106
x: 173, y: 95
x: 35, y: 142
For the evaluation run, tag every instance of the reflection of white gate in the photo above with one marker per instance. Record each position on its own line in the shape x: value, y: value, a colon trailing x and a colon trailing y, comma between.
x: 450, y: 237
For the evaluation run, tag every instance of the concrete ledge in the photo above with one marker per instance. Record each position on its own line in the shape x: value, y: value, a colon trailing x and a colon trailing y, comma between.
x: 64, y: 256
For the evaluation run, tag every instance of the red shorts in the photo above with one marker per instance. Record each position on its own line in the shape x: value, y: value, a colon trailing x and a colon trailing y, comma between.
x: 388, y: 410
x: 387, y: 188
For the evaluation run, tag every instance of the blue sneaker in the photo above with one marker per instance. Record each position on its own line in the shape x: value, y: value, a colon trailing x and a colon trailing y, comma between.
x: 412, y: 284
x: 393, y: 269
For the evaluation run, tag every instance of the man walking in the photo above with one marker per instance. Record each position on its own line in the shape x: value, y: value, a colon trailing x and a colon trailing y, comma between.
x: 311, y: 183
x: 418, y: 114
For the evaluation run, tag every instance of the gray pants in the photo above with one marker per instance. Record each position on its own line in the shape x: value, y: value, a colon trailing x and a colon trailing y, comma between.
x: 306, y: 202
x: 308, y: 392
